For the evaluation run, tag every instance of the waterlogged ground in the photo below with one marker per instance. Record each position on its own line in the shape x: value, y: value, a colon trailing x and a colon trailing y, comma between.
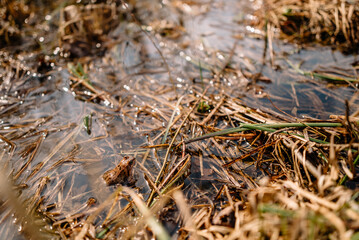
x: 56, y: 163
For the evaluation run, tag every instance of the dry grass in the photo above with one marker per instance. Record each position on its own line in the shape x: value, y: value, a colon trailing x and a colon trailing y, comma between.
x: 324, y: 21
x: 85, y: 28
x: 207, y: 165
x: 12, y: 17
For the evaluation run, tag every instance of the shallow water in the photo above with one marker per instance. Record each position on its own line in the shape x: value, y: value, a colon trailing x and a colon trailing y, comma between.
x: 43, y: 116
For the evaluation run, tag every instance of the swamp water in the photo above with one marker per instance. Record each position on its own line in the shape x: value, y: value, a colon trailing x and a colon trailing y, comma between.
x: 56, y: 161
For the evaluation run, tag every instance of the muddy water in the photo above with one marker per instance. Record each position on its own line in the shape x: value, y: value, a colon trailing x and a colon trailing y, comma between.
x: 43, y: 115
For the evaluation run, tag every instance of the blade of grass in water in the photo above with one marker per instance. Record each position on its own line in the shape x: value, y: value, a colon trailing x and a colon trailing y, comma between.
x: 201, y: 74
x: 77, y: 70
x: 328, y: 77
x: 267, y: 128
x: 201, y: 65
x: 87, y: 121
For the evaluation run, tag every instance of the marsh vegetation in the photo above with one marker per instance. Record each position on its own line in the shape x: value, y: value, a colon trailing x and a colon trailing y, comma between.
x: 179, y: 119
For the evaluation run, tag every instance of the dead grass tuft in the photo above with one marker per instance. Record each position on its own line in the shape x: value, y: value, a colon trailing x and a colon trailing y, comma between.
x: 84, y: 28
x: 324, y: 21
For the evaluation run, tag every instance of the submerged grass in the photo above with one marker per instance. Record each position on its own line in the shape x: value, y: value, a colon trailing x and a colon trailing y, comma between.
x: 325, y: 76
x: 271, y: 177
